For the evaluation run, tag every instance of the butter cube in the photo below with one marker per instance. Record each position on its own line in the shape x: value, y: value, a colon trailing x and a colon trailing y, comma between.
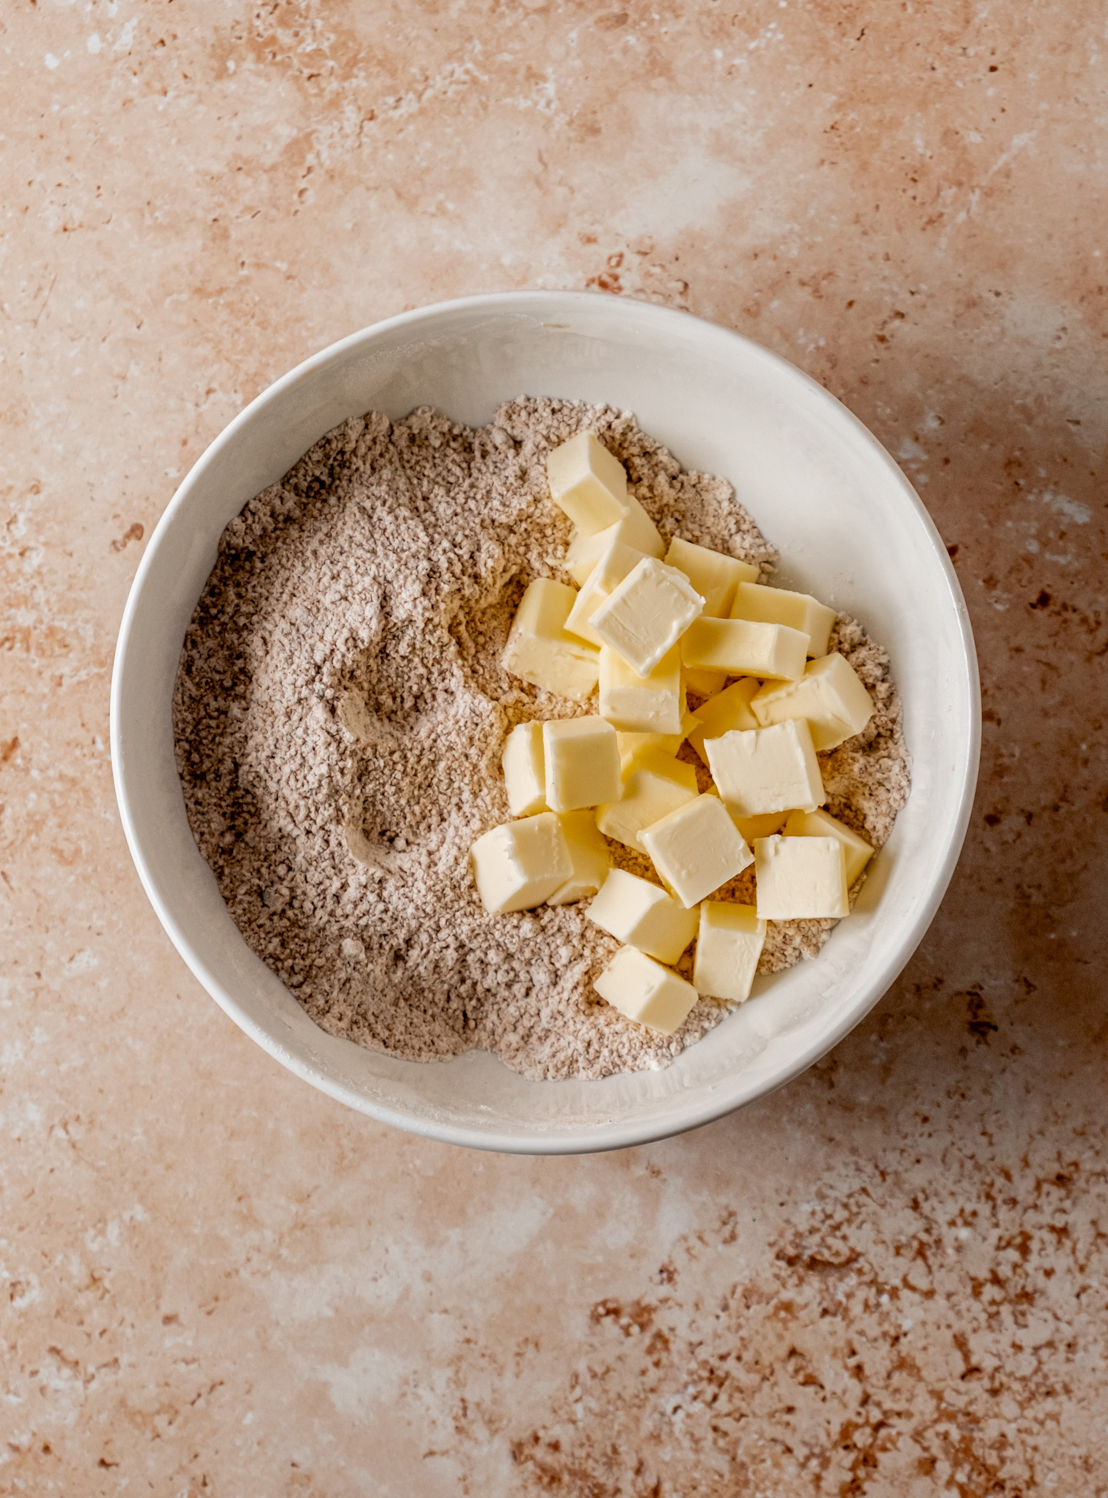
x: 658, y: 759
x: 696, y: 848
x: 711, y: 573
x: 766, y: 824
x: 823, y: 824
x: 752, y: 827
x: 640, y: 914
x: 728, y: 945
x: 647, y: 614
x: 524, y: 770
x: 539, y: 649
x: 587, y: 482
x: 641, y: 704
x: 632, y: 745
x: 744, y: 649
x: 703, y: 682
x: 651, y: 788
x: 726, y: 710
x: 589, y: 853
x: 800, y: 878
x: 636, y: 530
x: 608, y: 573
x: 830, y: 695
x: 766, y: 769
x: 778, y: 606
x: 520, y: 864
x: 581, y: 761
x: 645, y: 991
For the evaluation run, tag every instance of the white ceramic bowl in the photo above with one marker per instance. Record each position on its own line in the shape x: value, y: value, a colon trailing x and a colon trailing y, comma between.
x: 849, y: 528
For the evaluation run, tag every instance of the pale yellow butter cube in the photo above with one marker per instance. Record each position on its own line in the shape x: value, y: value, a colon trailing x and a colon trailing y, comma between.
x: 647, y: 614
x: 582, y: 763
x: 766, y: 769
x: 641, y: 704
x: 752, y: 827
x: 632, y: 745
x: 521, y: 864
x: 524, y: 770
x: 696, y: 848
x: 728, y: 945
x: 778, y: 606
x: 823, y: 824
x: 589, y: 853
x: 763, y: 826
x: 639, y: 913
x: 540, y: 650
x: 587, y: 482
x: 661, y: 760
x: 636, y: 530
x: 713, y: 574
x: 726, y: 710
x: 656, y: 785
x: 703, y: 682
x: 830, y: 695
x: 645, y: 991
x: 744, y: 649
x: 608, y: 573
x: 800, y: 878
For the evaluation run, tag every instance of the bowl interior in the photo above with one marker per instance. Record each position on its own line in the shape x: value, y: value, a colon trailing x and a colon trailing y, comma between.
x: 849, y: 528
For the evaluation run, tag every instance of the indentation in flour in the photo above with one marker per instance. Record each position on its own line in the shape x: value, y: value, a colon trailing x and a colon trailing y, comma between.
x: 480, y: 632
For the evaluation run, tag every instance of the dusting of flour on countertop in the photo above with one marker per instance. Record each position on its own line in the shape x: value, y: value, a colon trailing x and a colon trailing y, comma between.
x: 340, y: 712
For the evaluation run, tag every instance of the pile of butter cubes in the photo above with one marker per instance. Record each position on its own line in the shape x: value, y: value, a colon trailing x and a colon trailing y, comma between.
x: 645, y: 625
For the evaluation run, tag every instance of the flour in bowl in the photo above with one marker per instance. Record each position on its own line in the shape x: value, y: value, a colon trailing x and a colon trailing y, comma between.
x: 340, y: 713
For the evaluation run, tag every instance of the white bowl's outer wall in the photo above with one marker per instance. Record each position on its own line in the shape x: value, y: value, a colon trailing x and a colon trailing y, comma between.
x: 849, y: 528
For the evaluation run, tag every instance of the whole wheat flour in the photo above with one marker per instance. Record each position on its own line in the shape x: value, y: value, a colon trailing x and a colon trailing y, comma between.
x: 340, y: 713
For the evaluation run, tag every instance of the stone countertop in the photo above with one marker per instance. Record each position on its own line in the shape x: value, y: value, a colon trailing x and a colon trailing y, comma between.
x: 888, y: 1277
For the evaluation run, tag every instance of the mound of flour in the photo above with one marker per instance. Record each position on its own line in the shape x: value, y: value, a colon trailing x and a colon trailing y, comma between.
x: 340, y: 712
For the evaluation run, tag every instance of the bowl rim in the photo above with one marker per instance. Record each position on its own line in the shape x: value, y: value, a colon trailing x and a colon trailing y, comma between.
x: 575, y: 1139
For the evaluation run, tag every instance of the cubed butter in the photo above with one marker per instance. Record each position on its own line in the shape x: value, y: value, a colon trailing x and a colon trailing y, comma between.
x: 766, y: 769
x: 778, y: 606
x: 636, y: 530
x: 647, y: 614
x: 540, y: 650
x: 704, y: 683
x: 800, y: 878
x: 726, y: 710
x: 651, y: 788
x: 641, y: 704
x: 520, y: 864
x: 645, y: 991
x: 744, y: 649
x: 830, y: 695
x: 608, y: 573
x: 752, y: 827
x: 763, y: 826
x: 696, y: 848
x: 659, y: 759
x: 587, y: 482
x: 640, y: 914
x: 728, y: 945
x: 581, y: 761
x: 713, y: 575
x: 589, y: 853
x: 632, y: 745
x: 823, y: 824
x: 524, y: 771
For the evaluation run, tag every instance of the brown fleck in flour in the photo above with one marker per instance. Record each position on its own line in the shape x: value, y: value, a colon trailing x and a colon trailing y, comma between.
x: 340, y: 713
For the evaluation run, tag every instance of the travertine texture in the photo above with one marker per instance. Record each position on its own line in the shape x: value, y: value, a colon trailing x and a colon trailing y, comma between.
x: 886, y: 1279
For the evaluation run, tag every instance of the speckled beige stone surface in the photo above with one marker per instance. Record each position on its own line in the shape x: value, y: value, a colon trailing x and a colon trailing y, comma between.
x: 887, y: 1279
